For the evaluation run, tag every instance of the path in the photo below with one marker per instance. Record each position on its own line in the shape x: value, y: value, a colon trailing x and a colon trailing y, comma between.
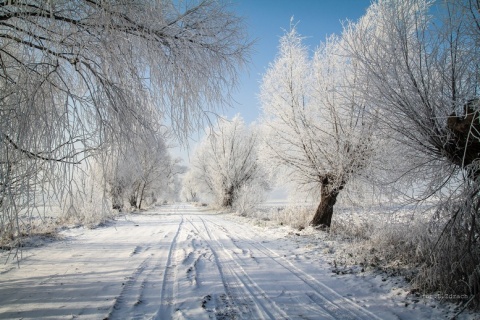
x: 177, y: 262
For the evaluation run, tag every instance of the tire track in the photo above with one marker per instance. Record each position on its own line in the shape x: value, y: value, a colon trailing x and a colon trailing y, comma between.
x: 131, y: 294
x: 335, y: 304
x: 140, y: 297
x: 234, y: 276
x: 168, y: 292
x: 228, y: 300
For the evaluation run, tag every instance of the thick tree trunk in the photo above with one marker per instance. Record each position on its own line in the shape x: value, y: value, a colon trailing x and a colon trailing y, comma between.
x: 463, y: 146
x: 324, y: 213
x: 228, y: 198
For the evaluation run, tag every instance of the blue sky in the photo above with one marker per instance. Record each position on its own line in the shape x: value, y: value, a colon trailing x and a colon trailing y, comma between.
x: 266, y: 21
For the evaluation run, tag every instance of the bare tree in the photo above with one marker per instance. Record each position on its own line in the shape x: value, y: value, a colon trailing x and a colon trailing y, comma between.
x: 315, y: 124
x: 226, y: 161
x: 78, y: 75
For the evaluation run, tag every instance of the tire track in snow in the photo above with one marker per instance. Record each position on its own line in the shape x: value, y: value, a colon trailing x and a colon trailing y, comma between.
x: 335, y: 304
x: 234, y: 276
x: 167, y: 297
x: 131, y: 291
x: 194, y: 254
x: 141, y: 296
x: 227, y: 300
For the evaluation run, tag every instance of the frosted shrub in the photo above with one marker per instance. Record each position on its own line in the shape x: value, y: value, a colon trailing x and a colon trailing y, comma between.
x: 386, y: 240
x: 428, y: 249
x: 249, y: 197
x: 295, y: 216
x: 401, y: 243
x: 352, y: 227
x: 453, y: 264
x: 298, y: 217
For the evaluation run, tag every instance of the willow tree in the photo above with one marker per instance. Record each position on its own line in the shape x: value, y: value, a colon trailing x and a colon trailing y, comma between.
x: 423, y: 74
x: 78, y: 75
x: 316, y: 134
x: 225, y: 164
x: 421, y: 61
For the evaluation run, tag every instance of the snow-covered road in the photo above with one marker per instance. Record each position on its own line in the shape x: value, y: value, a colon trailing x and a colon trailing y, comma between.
x: 176, y: 262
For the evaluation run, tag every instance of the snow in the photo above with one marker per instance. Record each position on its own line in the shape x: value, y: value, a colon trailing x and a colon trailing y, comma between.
x: 185, y: 262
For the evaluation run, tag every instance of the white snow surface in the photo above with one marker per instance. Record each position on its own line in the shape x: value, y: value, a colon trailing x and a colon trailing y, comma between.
x: 184, y: 262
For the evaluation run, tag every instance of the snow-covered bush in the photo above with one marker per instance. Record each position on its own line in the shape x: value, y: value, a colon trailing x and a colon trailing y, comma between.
x: 293, y: 215
x: 248, y: 198
x: 411, y: 243
x: 296, y: 216
x: 453, y: 262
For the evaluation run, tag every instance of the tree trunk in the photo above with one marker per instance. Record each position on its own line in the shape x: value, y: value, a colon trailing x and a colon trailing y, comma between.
x: 228, y: 198
x: 324, y: 213
x: 463, y: 146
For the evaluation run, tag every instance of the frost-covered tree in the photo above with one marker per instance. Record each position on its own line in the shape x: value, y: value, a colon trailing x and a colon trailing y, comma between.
x: 316, y: 135
x: 423, y: 71
x: 226, y: 162
x: 76, y: 75
x: 153, y: 168
x: 189, y: 188
x: 421, y: 60
x: 143, y: 172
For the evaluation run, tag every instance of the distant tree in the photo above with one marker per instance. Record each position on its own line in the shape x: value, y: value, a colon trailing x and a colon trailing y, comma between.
x: 153, y: 167
x: 78, y: 75
x: 144, y: 171
x: 315, y: 130
x: 226, y: 161
x: 189, y: 192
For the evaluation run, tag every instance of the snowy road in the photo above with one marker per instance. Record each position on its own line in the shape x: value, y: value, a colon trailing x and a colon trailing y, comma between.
x: 173, y: 263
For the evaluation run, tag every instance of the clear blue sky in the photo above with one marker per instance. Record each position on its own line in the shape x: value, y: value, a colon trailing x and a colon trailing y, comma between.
x: 267, y: 21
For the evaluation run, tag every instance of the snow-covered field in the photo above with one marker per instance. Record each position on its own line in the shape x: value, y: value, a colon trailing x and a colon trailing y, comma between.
x: 184, y: 262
